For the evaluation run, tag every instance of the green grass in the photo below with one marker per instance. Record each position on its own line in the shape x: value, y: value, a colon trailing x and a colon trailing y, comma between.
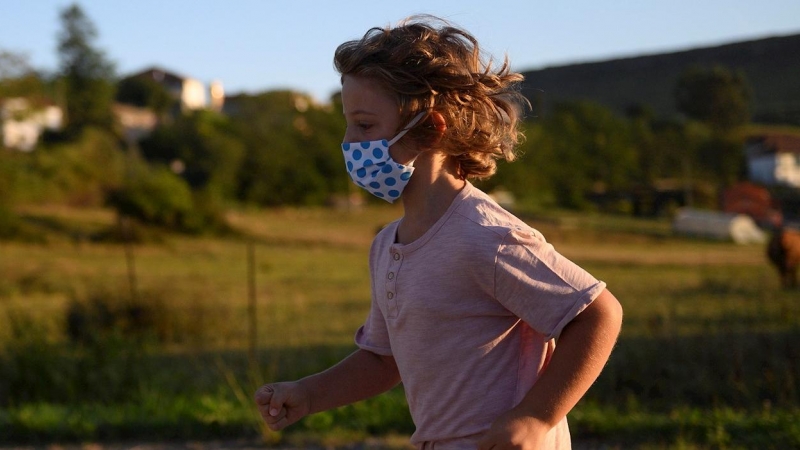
x: 709, y: 356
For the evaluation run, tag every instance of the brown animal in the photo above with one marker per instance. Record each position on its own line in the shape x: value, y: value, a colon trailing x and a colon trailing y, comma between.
x: 784, y: 251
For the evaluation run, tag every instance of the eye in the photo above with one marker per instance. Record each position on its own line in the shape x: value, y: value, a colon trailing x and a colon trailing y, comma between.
x: 364, y: 126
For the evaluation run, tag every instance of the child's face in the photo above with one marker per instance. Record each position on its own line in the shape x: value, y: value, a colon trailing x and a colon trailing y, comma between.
x: 372, y: 114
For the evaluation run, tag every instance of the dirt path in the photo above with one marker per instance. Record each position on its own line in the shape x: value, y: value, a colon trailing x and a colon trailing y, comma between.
x: 395, y: 443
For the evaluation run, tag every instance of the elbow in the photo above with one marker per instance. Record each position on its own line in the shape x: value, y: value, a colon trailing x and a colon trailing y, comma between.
x: 605, y: 312
x: 614, y: 312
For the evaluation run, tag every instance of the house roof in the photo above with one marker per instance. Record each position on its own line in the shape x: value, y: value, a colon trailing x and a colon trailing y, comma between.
x: 774, y: 143
x: 159, y: 74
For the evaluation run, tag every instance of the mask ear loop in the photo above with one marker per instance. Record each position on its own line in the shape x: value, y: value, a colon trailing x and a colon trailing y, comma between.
x: 407, y: 128
x: 403, y: 133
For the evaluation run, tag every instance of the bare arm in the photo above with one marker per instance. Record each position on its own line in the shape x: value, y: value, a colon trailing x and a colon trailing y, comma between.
x: 581, y: 353
x: 361, y: 375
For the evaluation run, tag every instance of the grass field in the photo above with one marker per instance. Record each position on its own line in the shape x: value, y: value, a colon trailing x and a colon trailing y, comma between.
x: 98, y: 344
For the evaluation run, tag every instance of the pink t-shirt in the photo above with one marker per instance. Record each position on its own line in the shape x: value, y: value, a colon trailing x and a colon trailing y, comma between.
x: 470, y: 311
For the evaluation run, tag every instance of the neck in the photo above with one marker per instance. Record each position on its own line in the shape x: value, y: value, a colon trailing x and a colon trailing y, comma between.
x: 428, y: 195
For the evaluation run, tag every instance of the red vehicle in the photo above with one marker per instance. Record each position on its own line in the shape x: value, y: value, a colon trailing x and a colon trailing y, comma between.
x: 755, y: 201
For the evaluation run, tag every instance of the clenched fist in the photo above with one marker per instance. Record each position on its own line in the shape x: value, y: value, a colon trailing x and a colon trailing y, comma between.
x: 282, y: 404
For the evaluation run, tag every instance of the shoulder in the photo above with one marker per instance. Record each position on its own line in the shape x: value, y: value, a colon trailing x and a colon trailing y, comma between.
x: 481, y: 213
x: 479, y: 229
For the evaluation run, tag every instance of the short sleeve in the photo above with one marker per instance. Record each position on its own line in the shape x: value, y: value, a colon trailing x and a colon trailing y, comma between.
x: 539, y: 285
x: 373, y: 335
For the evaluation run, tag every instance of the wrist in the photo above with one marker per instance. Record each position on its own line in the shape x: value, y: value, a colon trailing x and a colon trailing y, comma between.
x: 535, y: 420
x: 307, y: 387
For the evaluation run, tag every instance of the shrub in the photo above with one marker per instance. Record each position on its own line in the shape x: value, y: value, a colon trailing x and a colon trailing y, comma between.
x: 154, y: 195
x: 9, y: 223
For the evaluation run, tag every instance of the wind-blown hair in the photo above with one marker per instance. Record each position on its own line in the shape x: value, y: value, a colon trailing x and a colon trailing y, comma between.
x: 431, y: 65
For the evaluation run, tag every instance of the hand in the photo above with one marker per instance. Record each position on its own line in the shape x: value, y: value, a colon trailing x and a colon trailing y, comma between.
x: 511, y: 431
x: 282, y: 404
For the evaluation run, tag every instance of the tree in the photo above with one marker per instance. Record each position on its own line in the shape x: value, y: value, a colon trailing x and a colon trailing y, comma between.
x: 85, y: 72
x: 581, y: 148
x: 720, y: 100
x: 13, y: 65
x: 651, y: 161
x: 715, y: 96
x: 18, y: 79
x: 144, y: 93
x: 207, y: 152
x: 292, y: 149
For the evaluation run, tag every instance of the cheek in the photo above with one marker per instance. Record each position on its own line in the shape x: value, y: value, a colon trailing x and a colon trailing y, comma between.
x: 401, y: 153
x: 351, y: 135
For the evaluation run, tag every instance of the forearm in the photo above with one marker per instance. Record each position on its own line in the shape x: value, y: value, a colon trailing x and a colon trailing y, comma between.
x: 361, y: 375
x: 581, y: 353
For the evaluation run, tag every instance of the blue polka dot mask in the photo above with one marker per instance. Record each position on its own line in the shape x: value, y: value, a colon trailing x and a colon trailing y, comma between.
x: 371, y: 167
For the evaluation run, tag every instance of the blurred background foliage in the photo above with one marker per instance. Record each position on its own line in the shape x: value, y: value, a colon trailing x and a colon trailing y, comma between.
x: 281, y: 148
x: 92, y: 348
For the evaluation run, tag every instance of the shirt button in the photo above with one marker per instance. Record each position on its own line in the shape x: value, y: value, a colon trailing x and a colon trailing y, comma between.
x: 391, y: 275
x: 397, y: 256
x: 390, y: 295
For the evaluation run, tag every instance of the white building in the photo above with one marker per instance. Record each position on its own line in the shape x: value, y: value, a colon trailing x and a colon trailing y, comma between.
x: 191, y: 94
x: 23, y: 123
x: 135, y: 122
x: 774, y: 160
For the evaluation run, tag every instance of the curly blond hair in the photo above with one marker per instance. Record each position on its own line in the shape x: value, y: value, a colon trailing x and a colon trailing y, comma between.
x: 431, y: 65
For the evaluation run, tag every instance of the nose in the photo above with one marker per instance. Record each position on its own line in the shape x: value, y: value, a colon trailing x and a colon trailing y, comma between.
x: 348, y: 136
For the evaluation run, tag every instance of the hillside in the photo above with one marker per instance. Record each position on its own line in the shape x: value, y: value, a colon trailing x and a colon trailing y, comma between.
x: 770, y: 65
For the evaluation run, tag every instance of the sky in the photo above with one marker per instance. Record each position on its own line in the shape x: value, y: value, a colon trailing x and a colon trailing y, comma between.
x: 253, y: 46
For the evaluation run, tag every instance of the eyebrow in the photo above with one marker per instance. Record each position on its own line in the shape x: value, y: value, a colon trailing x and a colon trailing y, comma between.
x: 362, y: 111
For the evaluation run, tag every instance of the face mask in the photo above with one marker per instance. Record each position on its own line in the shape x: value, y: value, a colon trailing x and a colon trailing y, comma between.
x: 371, y: 167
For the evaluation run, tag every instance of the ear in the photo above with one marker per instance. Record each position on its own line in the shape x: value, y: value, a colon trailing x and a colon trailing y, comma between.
x: 439, y: 125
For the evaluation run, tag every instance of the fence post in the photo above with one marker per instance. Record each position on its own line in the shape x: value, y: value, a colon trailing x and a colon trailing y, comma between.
x: 127, y: 238
x: 251, y: 310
